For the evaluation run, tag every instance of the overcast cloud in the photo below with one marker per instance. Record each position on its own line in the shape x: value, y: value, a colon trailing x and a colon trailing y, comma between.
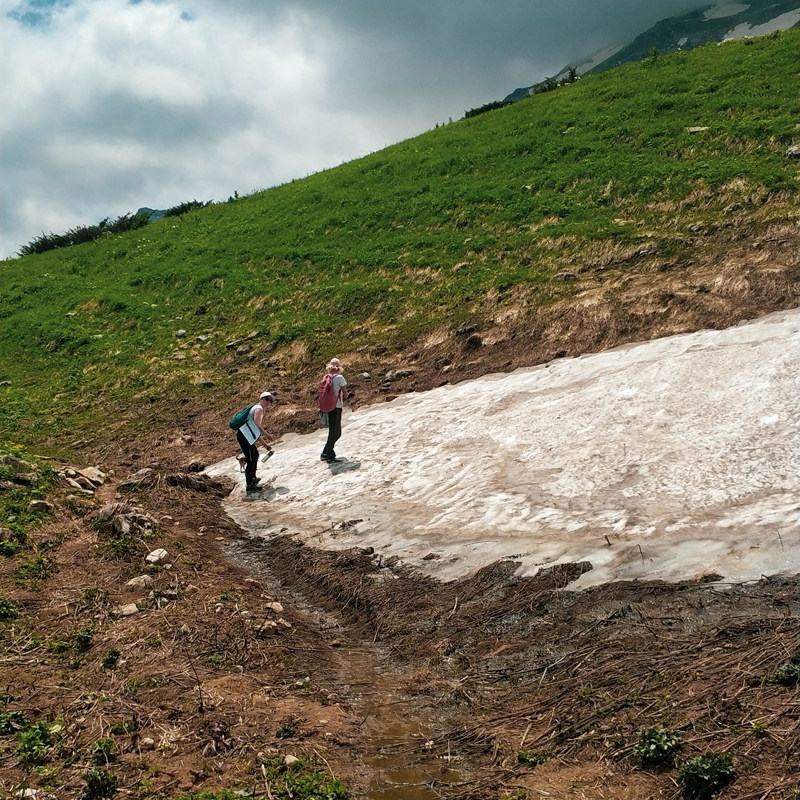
x: 110, y: 105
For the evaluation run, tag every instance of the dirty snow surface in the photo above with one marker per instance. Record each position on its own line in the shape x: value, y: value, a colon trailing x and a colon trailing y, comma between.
x: 671, y: 459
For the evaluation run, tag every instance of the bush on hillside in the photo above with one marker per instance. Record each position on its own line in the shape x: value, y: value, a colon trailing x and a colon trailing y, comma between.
x: 184, y: 208
x: 84, y: 233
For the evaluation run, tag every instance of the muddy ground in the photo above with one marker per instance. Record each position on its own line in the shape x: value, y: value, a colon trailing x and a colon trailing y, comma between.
x: 399, y: 686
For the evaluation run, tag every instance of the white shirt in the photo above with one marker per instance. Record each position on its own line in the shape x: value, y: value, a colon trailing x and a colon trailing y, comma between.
x: 250, y: 430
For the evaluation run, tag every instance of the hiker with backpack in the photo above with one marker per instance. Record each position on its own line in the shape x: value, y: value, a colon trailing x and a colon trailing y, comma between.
x: 248, y: 426
x: 332, y: 393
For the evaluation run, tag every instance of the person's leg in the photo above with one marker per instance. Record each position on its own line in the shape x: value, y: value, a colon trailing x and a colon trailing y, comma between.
x: 251, y: 455
x: 334, y: 432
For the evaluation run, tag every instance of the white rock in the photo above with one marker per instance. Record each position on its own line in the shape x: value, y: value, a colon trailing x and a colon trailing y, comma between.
x: 276, y: 607
x: 129, y: 609
x: 157, y: 556
x: 147, y: 743
x: 289, y: 760
x: 142, y: 582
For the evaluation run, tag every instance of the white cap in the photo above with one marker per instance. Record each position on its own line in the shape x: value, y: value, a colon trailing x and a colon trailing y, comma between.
x: 267, y: 396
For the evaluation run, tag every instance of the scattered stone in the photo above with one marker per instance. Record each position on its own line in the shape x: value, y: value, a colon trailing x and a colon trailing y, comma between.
x: 142, y: 477
x: 201, y: 310
x: 566, y: 276
x: 276, y: 607
x: 157, y: 556
x: 335, y: 643
x: 142, y: 582
x: 93, y: 474
x: 181, y: 333
x: 40, y: 507
x: 147, y: 743
x: 397, y: 374
x: 793, y: 151
x: 282, y: 621
x: 289, y: 760
x: 697, y: 129
x: 242, y: 351
x: 82, y: 482
x: 363, y: 376
x: 191, y: 589
x: 129, y: 609
x: 466, y: 329
x: 203, y: 339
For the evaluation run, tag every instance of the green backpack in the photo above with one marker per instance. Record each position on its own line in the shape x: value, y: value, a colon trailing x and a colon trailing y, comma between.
x: 239, y: 419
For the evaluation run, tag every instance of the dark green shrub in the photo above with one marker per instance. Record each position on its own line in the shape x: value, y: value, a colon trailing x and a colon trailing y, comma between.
x: 704, y: 776
x: 111, y: 658
x: 787, y: 674
x: 34, y: 745
x: 658, y: 747
x: 529, y: 758
x: 11, y: 722
x: 7, y: 609
x: 102, y: 750
x: 83, y: 640
x: 100, y: 784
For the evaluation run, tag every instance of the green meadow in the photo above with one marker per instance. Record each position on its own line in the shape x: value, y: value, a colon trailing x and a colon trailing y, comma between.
x: 384, y: 249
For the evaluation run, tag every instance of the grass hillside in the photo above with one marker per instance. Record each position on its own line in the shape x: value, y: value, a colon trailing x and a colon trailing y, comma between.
x: 568, y: 222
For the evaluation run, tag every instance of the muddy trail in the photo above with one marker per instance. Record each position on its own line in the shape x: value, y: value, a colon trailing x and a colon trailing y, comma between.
x: 243, y: 662
x: 492, y: 685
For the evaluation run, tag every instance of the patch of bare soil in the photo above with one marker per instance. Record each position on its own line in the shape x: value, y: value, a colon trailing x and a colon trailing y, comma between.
x: 191, y: 692
x: 517, y: 671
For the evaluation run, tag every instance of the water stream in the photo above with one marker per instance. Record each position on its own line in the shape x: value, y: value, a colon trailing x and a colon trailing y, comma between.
x: 393, y: 732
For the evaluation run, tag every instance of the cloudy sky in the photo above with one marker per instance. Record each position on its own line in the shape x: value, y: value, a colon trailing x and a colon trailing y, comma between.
x: 111, y: 105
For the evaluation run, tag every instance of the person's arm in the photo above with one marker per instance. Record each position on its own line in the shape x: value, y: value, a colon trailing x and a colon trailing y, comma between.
x: 342, y: 387
x: 258, y: 416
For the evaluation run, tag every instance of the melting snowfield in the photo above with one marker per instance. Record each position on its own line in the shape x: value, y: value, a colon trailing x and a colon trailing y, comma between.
x: 670, y: 459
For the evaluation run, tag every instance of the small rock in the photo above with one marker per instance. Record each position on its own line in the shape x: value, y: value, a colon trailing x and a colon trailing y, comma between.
x: 397, y: 374
x: 242, y: 351
x: 282, y: 621
x: 93, y: 474
x: 201, y: 310
x: 156, y: 556
x: 181, y: 333
x: 697, y: 129
x: 466, y: 329
x: 191, y: 588
x: 40, y: 507
x: 363, y: 376
x: 793, y: 151
x: 147, y: 743
x: 473, y: 342
x: 202, y: 339
x: 276, y: 607
x: 289, y: 760
x: 566, y: 276
x: 142, y: 582
x: 129, y: 609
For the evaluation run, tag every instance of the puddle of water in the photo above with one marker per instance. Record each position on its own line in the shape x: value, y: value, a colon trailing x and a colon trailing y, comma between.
x: 395, y: 737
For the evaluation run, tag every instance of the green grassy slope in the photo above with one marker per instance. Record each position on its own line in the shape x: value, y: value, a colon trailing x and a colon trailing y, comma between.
x: 431, y: 231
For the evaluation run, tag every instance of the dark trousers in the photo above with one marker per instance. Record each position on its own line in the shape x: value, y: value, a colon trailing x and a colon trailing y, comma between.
x: 334, y: 432
x: 250, y: 452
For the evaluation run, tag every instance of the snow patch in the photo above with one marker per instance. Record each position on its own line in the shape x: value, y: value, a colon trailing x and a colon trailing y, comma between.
x: 781, y: 23
x: 668, y: 459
